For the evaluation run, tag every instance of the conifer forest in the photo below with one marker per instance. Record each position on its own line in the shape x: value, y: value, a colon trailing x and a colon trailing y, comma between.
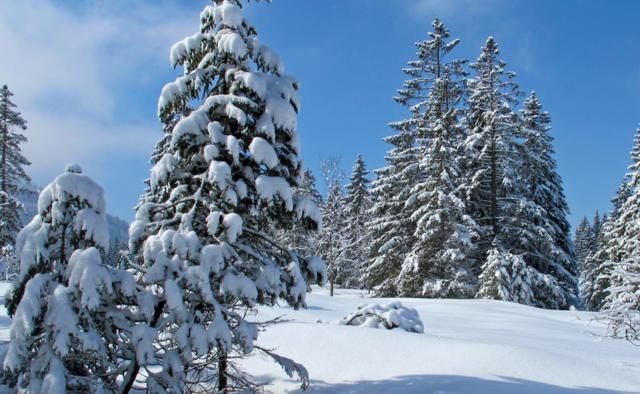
x: 431, y: 229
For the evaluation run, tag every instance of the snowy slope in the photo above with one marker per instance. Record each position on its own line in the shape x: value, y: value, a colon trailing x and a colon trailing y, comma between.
x: 469, y: 347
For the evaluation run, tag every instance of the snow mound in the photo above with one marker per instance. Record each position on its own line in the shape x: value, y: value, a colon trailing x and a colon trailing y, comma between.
x: 389, y: 316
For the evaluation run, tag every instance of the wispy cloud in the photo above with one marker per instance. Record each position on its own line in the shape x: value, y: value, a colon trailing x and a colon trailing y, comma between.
x: 68, y: 66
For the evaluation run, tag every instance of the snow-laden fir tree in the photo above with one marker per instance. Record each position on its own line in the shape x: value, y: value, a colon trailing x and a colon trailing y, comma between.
x: 331, y: 242
x: 549, y: 248
x: 440, y: 260
x: 594, y: 278
x: 511, y: 213
x: 622, y: 303
x: 505, y: 276
x: 301, y: 239
x: 490, y: 148
x: 393, y: 225
x: 620, y: 274
x: 8, y: 263
x: 596, y: 230
x: 66, y: 303
x: 617, y: 240
x: 204, y: 236
x: 13, y: 177
x: 357, y: 203
x: 582, y: 241
x: 491, y: 153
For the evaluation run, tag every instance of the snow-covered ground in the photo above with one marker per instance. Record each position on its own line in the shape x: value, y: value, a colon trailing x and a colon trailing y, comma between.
x: 469, y: 347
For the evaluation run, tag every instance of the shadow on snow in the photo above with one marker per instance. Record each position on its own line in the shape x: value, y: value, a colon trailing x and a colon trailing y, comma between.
x: 451, y: 384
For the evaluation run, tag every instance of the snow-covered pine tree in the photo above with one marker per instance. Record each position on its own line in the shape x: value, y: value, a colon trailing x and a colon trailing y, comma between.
x: 331, y: 242
x: 621, y: 273
x: 548, y: 247
x: 393, y: 225
x: 204, y: 236
x: 491, y: 161
x: 357, y: 203
x: 617, y: 242
x: 505, y: 276
x: 596, y: 231
x: 622, y: 303
x: 8, y: 263
x: 490, y: 147
x: 594, y: 279
x: 13, y: 177
x: 390, y: 228
x: 581, y: 241
x: 67, y: 321
x: 440, y: 260
x: 300, y: 238
x: 498, y: 197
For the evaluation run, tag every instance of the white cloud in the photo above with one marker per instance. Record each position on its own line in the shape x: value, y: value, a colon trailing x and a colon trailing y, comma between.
x: 69, y: 67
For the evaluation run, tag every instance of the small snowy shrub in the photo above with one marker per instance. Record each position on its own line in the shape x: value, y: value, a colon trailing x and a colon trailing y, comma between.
x: 389, y: 316
x: 66, y: 303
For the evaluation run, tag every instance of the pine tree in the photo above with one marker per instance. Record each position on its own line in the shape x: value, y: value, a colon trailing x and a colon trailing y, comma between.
x: 332, y: 239
x: 300, y: 238
x: 549, y: 249
x: 505, y: 276
x: 507, y: 194
x: 357, y: 203
x: 490, y: 147
x: 596, y: 231
x: 617, y: 244
x: 66, y: 304
x: 440, y: 261
x: 393, y: 225
x: 204, y: 238
x: 9, y: 264
x: 13, y: 178
x: 620, y: 274
x: 582, y: 241
x: 623, y: 300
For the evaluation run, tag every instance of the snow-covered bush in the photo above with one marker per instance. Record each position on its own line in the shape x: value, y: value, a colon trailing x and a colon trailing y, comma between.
x: 505, y: 276
x: 622, y: 305
x: 204, y: 240
x: 65, y: 303
x: 389, y: 316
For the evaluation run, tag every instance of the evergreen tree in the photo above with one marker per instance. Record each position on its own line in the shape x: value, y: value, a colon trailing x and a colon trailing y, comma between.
x: 393, y: 224
x: 300, y: 238
x: 332, y: 240
x: 549, y: 247
x: 617, y: 244
x: 66, y: 304
x: 582, y: 241
x: 596, y: 231
x: 204, y: 238
x: 357, y: 203
x: 440, y: 261
x: 9, y: 264
x: 13, y: 178
x: 620, y: 274
x: 513, y: 190
x: 491, y: 148
x: 623, y: 300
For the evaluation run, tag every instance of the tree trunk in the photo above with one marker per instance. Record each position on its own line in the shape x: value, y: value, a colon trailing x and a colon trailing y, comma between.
x: 222, y: 373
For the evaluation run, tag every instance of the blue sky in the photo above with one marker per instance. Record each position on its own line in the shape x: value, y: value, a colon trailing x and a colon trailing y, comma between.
x: 87, y: 76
